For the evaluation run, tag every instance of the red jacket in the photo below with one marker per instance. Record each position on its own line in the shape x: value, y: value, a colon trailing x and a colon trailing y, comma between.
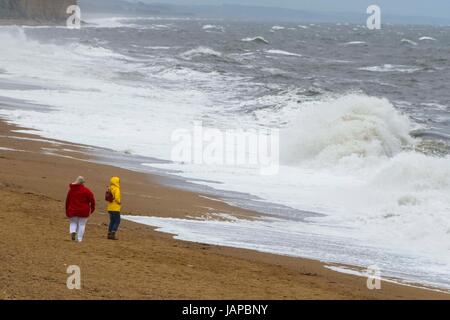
x: 80, y: 202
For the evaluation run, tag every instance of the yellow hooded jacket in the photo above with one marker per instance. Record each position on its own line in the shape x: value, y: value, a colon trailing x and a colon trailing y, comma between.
x: 116, y: 205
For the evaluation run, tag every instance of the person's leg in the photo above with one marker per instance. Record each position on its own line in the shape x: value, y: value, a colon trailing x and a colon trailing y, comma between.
x: 73, y: 224
x: 114, y: 225
x: 81, y: 228
x: 111, y: 222
x: 73, y: 227
x: 116, y: 222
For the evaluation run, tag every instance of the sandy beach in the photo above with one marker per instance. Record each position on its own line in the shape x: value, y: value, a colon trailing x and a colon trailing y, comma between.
x: 35, y: 248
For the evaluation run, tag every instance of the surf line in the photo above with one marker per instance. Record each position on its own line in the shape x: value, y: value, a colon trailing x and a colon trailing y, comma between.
x: 230, y: 310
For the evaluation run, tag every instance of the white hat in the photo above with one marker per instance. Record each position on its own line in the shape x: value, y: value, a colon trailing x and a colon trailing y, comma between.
x: 80, y: 180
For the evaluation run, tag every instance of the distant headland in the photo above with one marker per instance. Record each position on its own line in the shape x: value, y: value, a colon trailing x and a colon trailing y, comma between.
x: 34, y: 12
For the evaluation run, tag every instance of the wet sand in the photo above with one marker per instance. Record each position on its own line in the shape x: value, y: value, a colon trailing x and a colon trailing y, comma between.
x: 35, y: 249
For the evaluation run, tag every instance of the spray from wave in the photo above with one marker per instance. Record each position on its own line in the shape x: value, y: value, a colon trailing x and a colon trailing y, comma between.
x: 356, y: 155
x: 350, y: 126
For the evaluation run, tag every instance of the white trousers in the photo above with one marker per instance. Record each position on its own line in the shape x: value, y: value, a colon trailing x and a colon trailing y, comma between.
x: 78, y: 225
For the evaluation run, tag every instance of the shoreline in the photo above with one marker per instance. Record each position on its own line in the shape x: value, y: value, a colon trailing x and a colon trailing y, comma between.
x: 245, y: 274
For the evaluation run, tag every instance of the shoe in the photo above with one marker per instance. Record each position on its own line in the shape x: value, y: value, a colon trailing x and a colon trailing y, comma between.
x: 73, y: 236
x: 113, y: 236
x: 109, y: 235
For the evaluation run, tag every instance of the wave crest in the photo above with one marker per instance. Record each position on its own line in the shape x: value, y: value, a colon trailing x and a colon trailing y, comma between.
x: 213, y: 28
x: 256, y: 40
x: 199, y: 52
x: 353, y: 125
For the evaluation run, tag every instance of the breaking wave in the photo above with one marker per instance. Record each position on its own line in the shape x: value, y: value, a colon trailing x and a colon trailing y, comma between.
x: 354, y: 43
x: 213, y: 28
x: 278, y: 28
x: 284, y: 53
x: 391, y: 68
x: 256, y: 39
x: 201, y: 52
x: 408, y: 41
x: 350, y: 126
x: 427, y: 39
x: 357, y: 154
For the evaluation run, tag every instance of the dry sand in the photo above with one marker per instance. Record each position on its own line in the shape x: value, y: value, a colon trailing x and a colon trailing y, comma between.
x: 35, y: 249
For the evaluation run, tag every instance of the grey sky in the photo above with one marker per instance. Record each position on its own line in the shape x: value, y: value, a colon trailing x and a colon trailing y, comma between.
x: 430, y: 8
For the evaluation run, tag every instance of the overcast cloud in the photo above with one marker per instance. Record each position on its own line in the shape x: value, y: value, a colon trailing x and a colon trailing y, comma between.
x: 430, y: 8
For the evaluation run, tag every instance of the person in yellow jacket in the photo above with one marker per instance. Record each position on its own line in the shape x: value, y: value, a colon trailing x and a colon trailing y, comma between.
x: 114, y: 207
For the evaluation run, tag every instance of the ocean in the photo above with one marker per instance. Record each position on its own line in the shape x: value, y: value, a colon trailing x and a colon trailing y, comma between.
x: 363, y: 117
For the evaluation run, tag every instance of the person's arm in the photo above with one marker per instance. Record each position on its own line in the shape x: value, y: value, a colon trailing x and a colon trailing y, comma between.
x: 67, y: 203
x: 117, y: 196
x: 92, y: 201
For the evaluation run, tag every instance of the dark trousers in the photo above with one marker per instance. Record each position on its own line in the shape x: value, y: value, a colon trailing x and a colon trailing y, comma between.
x: 114, y: 221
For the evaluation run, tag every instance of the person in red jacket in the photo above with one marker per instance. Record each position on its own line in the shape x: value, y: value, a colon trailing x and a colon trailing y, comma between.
x: 80, y: 204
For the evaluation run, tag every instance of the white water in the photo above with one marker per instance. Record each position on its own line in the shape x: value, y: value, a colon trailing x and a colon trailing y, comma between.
x: 408, y: 41
x: 391, y: 68
x: 356, y: 43
x: 278, y: 28
x: 427, y: 39
x: 213, y: 28
x: 282, y: 52
x: 201, y: 51
x: 256, y: 39
x: 349, y: 157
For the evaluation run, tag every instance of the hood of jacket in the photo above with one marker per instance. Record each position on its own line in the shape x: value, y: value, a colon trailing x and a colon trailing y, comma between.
x: 115, y: 182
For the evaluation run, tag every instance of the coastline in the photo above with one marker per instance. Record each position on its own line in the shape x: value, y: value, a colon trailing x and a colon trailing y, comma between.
x: 34, y: 176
